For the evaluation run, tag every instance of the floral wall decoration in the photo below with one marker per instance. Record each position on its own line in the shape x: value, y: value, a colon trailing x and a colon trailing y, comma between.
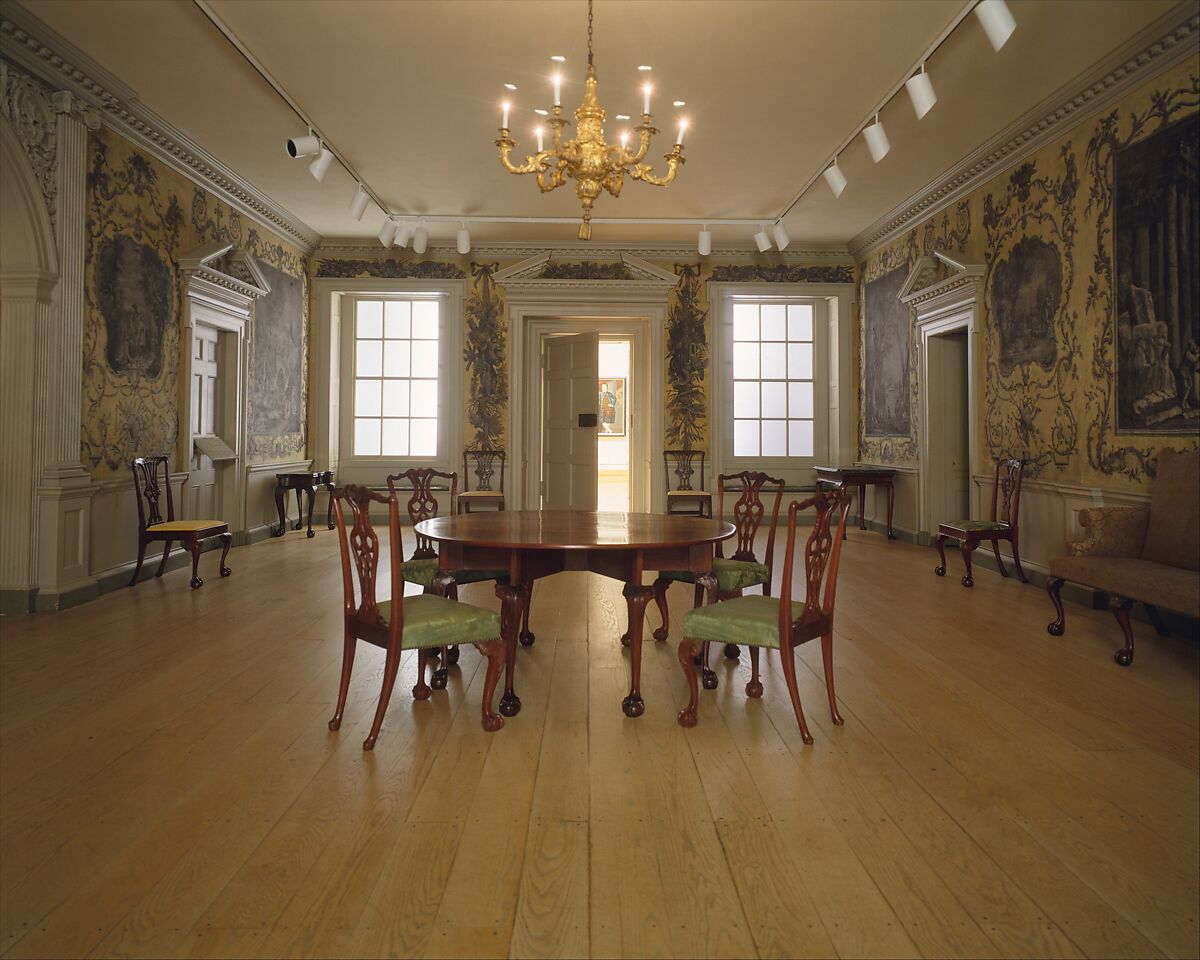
x: 485, y: 356
x: 393, y: 268
x: 586, y: 270
x: 687, y: 361
x: 782, y: 273
x: 1032, y: 346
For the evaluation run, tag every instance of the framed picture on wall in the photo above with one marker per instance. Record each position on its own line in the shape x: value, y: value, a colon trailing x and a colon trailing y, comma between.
x: 612, y: 406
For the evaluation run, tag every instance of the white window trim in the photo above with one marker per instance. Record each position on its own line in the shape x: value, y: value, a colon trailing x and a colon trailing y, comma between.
x: 335, y: 408
x: 833, y: 379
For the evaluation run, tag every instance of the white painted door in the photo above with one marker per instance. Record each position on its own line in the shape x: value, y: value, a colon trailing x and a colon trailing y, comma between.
x: 949, y: 429
x: 206, y: 416
x: 570, y: 375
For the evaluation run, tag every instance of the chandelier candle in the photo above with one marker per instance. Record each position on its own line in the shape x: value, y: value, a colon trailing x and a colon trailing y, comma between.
x: 587, y: 158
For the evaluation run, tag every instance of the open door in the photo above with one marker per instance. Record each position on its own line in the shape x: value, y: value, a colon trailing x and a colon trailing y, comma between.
x: 570, y: 375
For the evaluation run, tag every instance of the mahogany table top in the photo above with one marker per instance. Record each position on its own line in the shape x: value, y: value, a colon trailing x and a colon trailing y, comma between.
x: 573, y: 529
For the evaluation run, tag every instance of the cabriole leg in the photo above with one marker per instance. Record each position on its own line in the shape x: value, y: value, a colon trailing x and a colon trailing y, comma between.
x: 1056, y: 626
x: 689, y: 650
x: 1120, y: 608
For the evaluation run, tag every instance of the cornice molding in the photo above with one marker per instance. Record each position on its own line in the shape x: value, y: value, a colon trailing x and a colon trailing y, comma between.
x: 34, y: 46
x: 1162, y: 45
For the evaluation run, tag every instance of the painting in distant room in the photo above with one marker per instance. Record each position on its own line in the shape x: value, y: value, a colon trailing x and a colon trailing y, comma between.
x: 277, y: 399
x: 1026, y: 296
x: 1158, y: 283
x: 612, y: 407
x: 886, y: 333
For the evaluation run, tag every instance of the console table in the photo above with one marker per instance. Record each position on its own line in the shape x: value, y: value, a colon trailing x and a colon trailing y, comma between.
x: 302, y: 482
x: 861, y: 477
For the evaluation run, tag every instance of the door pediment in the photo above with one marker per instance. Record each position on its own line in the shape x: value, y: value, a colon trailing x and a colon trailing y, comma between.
x: 613, y: 276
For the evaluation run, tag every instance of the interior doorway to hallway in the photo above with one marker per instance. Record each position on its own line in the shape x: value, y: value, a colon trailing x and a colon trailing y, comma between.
x: 615, y: 426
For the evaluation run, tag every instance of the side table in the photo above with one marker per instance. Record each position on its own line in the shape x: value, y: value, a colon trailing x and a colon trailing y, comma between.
x: 302, y: 482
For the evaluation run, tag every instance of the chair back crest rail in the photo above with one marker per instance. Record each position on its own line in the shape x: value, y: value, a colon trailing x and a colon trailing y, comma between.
x: 822, y: 558
x: 1006, y: 491
x: 488, y: 461
x: 423, y: 504
x: 682, y: 464
x: 748, y: 511
x: 360, y: 559
x: 148, y: 492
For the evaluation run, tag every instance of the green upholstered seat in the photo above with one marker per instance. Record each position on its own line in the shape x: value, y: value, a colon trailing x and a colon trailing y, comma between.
x: 437, y: 622
x: 731, y: 574
x: 742, y: 620
x: 422, y: 572
x: 975, y: 525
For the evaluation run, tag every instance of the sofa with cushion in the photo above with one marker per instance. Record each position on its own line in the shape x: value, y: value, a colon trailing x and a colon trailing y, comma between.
x: 1140, y: 555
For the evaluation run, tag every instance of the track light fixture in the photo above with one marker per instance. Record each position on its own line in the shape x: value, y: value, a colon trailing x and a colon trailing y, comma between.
x: 704, y: 242
x: 306, y: 146
x: 319, y: 167
x: 464, y: 240
x: 358, y: 206
x: 877, y: 140
x: 920, y: 92
x: 762, y: 241
x: 835, y: 178
x: 420, y: 240
x: 403, y: 235
x: 779, y: 232
x: 997, y: 21
x: 387, y: 232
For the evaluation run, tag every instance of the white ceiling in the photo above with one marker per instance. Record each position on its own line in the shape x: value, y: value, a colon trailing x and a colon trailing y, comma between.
x: 409, y: 93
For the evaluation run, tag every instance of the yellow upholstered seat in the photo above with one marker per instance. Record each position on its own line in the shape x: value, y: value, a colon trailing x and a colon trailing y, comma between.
x: 184, y: 525
x: 481, y: 494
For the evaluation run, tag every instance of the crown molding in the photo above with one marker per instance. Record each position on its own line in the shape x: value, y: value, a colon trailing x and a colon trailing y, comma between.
x: 34, y: 46
x: 1163, y: 44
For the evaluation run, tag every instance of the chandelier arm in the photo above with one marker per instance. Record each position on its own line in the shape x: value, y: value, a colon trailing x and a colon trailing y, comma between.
x: 674, y: 160
x: 548, y: 179
x: 531, y: 165
x: 613, y: 181
x: 644, y: 131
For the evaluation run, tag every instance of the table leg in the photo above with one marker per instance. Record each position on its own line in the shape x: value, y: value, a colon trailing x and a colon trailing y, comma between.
x: 281, y: 506
x: 512, y: 599
x: 708, y: 584
x: 312, y: 498
x: 329, y: 510
x: 891, y: 490
x: 299, y: 511
x: 444, y: 585
x: 862, y: 506
x: 636, y: 598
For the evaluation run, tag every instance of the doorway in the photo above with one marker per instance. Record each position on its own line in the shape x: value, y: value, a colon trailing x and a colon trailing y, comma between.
x: 613, y: 434
x: 948, y: 424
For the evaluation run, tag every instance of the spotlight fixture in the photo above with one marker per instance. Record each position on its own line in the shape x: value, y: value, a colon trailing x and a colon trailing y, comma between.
x: 644, y: 67
x: 835, y: 178
x: 762, y: 241
x: 877, y: 140
x: 622, y: 116
x: 303, y: 146
x: 679, y: 103
x: 704, y: 242
x: 403, y: 235
x: 997, y: 21
x: 387, y: 232
x: 319, y: 167
x: 558, y: 58
x: 464, y: 240
x: 510, y: 86
x: 358, y: 206
x: 781, y: 236
x: 920, y: 92
x: 420, y: 239
x: 545, y: 113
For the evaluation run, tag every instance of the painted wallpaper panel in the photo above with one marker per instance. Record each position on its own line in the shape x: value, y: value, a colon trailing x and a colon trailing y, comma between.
x: 141, y: 217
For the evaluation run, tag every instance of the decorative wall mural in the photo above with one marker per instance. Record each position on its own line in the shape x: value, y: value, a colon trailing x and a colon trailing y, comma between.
x: 586, y: 270
x: 277, y: 376
x: 687, y: 361
x: 133, y: 291
x: 782, y: 273
x: 391, y: 269
x: 1031, y: 344
x: 1135, y: 356
x: 1157, y: 222
x: 484, y: 354
x: 886, y: 357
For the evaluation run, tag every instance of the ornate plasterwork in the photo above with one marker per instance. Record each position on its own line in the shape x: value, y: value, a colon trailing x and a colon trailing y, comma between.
x: 529, y: 277
x: 242, y: 275
x: 393, y: 268
x: 923, y: 288
x: 26, y: 104
x: 1163, y: 44
x: 783, y: 273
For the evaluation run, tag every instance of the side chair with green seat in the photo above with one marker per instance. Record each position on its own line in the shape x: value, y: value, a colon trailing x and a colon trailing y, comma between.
x: 743, y: 569
x: 422, y: 623
x: 779, y: 624
x: 422, y: 566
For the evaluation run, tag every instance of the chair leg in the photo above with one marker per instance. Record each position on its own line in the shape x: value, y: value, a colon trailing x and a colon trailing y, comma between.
x: 1057, y: 626
x: 788, y: 657
x: 194, y: 550
x: 754, y: 688
x: 162, y: 564
x: 494, y: 650
x: 452, y: 654
x: 390, y: 666
x: 141, y: 556
x: 421, y: 690
x: 1120, y: 608
x: 348, y: 647
x: 827, y: 658
x: 999, y: 559
x: 940, y: 542
x: 1156, y: 619
x: 660, y: 600
x: 967, y: 548
x: 527, y: 636
x: 1017, y: 559
x: 689, y: 650
x: 227, y: 539
x: 708, y: 676
x: 441, y: 675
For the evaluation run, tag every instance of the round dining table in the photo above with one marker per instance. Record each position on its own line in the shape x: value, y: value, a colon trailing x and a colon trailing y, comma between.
x: 531, y: 544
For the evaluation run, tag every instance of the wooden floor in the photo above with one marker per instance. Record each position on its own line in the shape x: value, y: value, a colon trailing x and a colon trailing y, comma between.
x: 168, y: 786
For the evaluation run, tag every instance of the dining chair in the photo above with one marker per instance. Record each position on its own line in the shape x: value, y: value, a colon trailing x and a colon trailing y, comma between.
x: 781, y: 624
x: 743, y: 569
x: 682, y: 497
x: 486, y: 464
x: 422, y: 566
x: 152, y: 527
x: 1006, y: 494
x: 422, y: 623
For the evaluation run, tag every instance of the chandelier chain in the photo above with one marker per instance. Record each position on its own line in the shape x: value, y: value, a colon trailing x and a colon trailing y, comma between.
x: 589, y: 33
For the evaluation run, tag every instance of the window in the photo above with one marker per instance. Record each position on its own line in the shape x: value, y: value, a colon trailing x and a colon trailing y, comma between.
x: 774, y: 388
x: 395, y: 377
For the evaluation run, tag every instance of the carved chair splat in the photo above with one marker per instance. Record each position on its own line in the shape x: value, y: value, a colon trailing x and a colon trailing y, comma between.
x: 1001, y: 525
x: 486, y: 465
x: 688, y: 495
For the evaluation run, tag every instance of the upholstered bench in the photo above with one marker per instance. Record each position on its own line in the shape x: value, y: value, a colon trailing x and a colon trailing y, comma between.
x: 1138, y: 555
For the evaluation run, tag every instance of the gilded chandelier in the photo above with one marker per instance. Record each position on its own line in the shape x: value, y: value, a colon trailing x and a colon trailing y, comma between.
x: 588, y: 159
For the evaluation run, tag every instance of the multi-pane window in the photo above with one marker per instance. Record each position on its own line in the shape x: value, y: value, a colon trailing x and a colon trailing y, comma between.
x: 396, y: 378
x: 773, y: 392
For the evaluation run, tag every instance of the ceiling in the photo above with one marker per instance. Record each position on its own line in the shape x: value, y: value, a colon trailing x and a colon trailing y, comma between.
x: 409, y: 94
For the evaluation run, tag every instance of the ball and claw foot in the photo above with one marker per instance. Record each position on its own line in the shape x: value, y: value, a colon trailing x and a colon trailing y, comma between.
x: 510, y: 704
x: 311, y: 534
x: 731, y: 651
x: 940, y: 569
x: 708, y: 679
x: 686, y: 717
x: 754, y: 690
x: 527, y: 638
x: 439, y: 678
x: 196, y: 583
x: 968, y: 581
x: 281, y: 531
x: 1123, y: 657
x: 225, y: 571
x: 624, y: 639
x: 421, y: 692
x: 660, y: 634
x: 1055, y: 628
x: 492, y: 722
x: 331, y: 525
x: 633, y: 705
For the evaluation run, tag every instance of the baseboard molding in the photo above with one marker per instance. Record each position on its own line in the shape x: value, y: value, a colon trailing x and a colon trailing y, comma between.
x: 14, y: 603
x: 256, y: 534
x: 46, y: 601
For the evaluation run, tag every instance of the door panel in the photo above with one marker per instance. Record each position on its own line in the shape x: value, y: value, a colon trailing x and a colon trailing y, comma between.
x: 570, y: 376
x: 206, y: 393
